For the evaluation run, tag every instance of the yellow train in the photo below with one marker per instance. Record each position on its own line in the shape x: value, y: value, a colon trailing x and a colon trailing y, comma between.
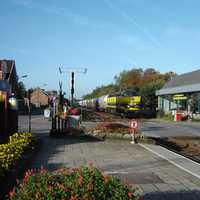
x: 125, y: 103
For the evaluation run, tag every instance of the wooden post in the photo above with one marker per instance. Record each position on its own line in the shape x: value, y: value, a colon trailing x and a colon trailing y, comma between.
x: 59, y: 124
x: 62, y: 124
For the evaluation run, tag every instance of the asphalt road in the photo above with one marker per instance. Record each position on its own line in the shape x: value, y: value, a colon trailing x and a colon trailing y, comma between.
x: 167, y: 129
x: 38, y: 124
x: 161, y: 129
x: 148, y: 128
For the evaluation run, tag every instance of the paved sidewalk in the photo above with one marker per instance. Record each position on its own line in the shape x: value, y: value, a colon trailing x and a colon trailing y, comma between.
x: 155, y: 176
x: 179, y: 161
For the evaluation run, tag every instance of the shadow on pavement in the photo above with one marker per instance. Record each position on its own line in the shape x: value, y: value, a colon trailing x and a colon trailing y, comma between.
x: 182, y: 195
x: 53, y: 148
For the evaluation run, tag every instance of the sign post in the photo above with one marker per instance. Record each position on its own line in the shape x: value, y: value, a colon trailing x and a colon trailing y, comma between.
x: 133, y: 130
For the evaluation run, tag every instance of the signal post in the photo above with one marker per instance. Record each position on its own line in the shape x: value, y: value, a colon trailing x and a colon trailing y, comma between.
x: 133, y: 130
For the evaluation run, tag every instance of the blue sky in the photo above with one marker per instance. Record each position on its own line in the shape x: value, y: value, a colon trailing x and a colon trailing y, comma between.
x: 106, y: 36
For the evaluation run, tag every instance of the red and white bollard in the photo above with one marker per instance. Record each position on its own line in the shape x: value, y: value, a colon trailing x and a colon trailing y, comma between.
x: 133, y: 130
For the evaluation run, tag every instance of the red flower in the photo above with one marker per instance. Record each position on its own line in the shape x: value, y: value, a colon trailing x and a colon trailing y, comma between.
x: 90, y: 164
x: 129, y: 195
x: 138, y: 198
x: 50, y: 188
x: 27, y: 175
x: 80, y: 180
x: 74, y: 197
x: 89, y: 186
x: 37, y: 195
x: 42, y: 170
x: 12, y: 193
x: 106, y: 178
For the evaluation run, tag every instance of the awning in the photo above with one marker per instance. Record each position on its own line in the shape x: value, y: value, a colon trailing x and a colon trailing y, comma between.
x: 179, y: 89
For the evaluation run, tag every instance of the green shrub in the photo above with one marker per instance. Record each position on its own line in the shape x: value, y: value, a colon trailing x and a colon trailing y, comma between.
x: 11, y: 152
x: 166, y: 116
x: 85, y: 183
x: 160, y: 114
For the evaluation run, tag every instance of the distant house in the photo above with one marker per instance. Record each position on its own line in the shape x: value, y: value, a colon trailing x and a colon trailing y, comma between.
x: 181, y: 93
x: 8, y: 89
x: 39, y: 98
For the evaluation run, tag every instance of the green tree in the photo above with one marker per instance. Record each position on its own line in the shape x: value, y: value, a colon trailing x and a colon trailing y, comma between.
x: 102, y: 90
x: 129, y: 78
x: 148, y: 94
x: 21, y: 90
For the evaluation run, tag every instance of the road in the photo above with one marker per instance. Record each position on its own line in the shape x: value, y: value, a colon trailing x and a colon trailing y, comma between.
x: 38, y: 124
x: 167, y: 129
x: 161, y: 129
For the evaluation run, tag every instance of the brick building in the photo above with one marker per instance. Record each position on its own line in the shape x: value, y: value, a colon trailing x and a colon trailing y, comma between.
x: 39, y: 98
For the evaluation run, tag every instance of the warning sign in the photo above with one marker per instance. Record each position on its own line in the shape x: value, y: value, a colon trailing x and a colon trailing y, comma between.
x: 134, y: 124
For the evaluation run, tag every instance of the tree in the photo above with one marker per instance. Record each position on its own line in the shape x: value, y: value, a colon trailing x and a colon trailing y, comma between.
x: 21, y: 90
x: 129, y: 79
x: 148, y: 94
x: 102, y: 90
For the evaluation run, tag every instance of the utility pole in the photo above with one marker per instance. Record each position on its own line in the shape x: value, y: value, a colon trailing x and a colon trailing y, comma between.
x: 29, y: 110
x: 72, y: 71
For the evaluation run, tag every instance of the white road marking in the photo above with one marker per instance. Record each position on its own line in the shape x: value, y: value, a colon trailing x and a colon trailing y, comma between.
x: 172, y: 162
x: 148, y: 134
x: 115, y: 172
x: 150, y: 123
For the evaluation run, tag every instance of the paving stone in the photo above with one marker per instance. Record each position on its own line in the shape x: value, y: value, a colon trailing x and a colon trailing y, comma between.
x: 148, y: 188
x: 163, y: 187
x: 155, y: 176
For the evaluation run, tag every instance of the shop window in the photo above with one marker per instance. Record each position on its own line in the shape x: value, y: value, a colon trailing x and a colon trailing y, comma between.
x: 181, y: 104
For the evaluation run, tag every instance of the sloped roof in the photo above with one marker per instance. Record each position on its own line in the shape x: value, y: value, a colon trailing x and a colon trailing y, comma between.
x: 184, y: 79
x: 185, y: 83
x: 41, y: 90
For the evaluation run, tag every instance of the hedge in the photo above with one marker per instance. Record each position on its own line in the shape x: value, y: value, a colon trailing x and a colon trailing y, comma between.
x: 84, y: 183
x: 11, y: 152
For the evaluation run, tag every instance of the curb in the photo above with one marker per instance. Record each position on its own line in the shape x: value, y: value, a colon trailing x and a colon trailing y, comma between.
x: 127, y: 137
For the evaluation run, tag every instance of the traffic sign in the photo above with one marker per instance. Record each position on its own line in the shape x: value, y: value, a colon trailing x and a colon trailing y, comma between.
x: 134, y: 124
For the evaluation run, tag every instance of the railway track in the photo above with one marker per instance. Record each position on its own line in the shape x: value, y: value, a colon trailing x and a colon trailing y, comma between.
x: 192, y: 156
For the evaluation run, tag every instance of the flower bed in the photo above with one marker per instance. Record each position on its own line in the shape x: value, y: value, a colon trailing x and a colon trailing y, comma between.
x: 85, y: 183
x: 107, y: 127
x: 116, y: 130
x: 110, y: 130
x: 11, y: 152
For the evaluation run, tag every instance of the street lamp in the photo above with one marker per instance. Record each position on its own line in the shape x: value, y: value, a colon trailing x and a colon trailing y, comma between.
x: 23, y: 76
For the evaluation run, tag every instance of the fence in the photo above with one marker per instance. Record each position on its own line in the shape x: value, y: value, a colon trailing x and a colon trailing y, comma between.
x: 2, y: 121
x: 59, y: 124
